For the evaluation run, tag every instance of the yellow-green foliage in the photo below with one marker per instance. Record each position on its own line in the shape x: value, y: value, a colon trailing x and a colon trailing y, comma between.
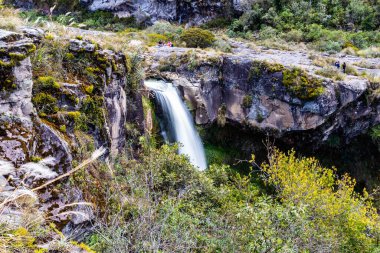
x: 7, y: 64
x: 32, y: 49
x: 35, y: 159
x: 74, y: 115
x: 49, y: 36
x: 48, y: 83
x: 62, y: 128
x: 336, y: 209
x: 17, y: 56
x: 154, y: 38
x: 197, y: 37
x: 260, y: 67
x: 6, y: 83
x: 69, y: 56
x: 92, y: 112
x: 300, y: 84
x: 45, y: 103
x: 89, y: 89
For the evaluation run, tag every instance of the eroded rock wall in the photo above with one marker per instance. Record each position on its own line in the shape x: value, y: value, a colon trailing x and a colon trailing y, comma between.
x: 22, y: 134
x: 239, y: 89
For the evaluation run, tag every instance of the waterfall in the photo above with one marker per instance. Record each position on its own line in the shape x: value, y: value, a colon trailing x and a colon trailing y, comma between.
x: 179, y: 123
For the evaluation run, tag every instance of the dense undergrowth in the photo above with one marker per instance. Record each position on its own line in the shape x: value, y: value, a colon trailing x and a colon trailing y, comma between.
x: 161, y: 203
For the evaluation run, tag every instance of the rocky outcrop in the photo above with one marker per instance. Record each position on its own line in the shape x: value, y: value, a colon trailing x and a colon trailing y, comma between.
x: 148, y: 11
x: 22, y: 134
x: 113, y: 88
x: 247, y: 89
x: 196, y: 11
x: 28, y: 134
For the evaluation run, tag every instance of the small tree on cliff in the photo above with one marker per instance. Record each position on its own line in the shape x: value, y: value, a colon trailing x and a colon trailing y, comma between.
x: 197, y: 37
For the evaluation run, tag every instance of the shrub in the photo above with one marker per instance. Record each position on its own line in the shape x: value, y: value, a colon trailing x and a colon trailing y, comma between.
x: 293, y: 35
x: 351, y: 70
x: 268, y: 33
x: 329, y: 46
x: 197, y: 37
x: 339, y: 214
x: 222, y: 45
x: 154, y: 38
x: 301, y: 85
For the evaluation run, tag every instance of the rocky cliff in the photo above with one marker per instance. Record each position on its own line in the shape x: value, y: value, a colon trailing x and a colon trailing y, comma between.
x: 196, y: 12
x: 23, y: 134
x: 64, y: 122
x: 148, y: 11
x: 272, y: 91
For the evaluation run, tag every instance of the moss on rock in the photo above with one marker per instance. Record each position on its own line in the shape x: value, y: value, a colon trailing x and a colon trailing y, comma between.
x: 258, y: 68
x: 301, y: 85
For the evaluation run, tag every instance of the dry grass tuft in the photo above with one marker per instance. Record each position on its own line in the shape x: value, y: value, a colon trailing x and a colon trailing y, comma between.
x: 9, y: 19
x: 330, y: 72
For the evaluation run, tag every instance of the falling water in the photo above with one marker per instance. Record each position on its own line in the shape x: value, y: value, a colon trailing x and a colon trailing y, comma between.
x: 180, y: 125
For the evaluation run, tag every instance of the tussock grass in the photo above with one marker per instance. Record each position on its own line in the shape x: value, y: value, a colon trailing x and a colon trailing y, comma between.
x: 9, y: 19
x: 330, y: 72
x: 371, y: 52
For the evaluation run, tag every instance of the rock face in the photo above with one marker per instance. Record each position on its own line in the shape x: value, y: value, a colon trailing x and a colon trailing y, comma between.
x: 27, y: 134
x: 148, y: 11
x: 114, y: 91
x: 22, y: 134
x: 232, y: 86
x: 196, y: 11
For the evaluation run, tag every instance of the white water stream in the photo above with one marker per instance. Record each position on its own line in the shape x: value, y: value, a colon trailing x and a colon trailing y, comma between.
x: 180, y: 122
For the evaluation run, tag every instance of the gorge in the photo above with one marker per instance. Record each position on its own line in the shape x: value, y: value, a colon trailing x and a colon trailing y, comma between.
x: 229, y: 141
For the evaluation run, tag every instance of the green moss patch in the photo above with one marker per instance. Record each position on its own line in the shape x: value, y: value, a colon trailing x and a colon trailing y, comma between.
x: 301, y: 85
x: 258, y: 68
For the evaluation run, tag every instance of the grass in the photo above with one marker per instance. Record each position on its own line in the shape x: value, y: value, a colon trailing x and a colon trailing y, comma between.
x: 330, y: 72
x: 9, y: 19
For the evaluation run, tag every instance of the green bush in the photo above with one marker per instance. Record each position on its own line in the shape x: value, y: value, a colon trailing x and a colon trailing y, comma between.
x: 154, y: 38
x: 171, y: 207
x: 197, y: 37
